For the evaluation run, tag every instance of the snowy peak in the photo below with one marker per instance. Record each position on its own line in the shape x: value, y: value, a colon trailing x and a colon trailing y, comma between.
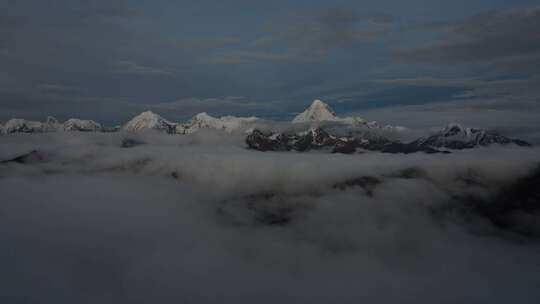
x: 318, y: 111
x: 226, y: 123
x: 319, y: 139
x: 149, y: 121
x: 455, y: 136
x: 203, y: 120
x: 17, y: 125
x: 52, y: 121
x: 75, y: 124
x: 453, y: 129
x: 52, y: 124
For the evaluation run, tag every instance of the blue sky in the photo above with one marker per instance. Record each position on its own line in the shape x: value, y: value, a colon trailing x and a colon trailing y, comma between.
x: 108, y: 60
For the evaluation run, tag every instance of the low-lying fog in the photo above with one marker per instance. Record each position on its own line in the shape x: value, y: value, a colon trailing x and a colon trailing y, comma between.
x: 201, y: 219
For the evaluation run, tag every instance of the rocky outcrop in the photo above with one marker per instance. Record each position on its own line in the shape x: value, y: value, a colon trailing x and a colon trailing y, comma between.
x: 457, y: 137
x: 453, y: 137
x: 319, y: 139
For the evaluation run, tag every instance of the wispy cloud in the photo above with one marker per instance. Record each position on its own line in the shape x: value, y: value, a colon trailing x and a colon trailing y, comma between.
x: 133, y: 68
x: 432, y: 81
x: 243, y: 57
x: 203, y: 43
x: 57, y: 89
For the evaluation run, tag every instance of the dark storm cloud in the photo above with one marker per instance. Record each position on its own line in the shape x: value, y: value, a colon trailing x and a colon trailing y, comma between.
x: 309, y: 37
x: 155, y: 52
x: 51, y: 48
x: 508, y: 39
x: 62, y: 40
x: 327, y: 29
x: 117, y: 66
x: 61, y: 12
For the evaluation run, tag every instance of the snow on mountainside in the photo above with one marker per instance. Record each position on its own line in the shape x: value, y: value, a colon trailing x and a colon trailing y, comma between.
x: 455, y: 136
x: 452, y: 137
x: 149, y: 121
x: 318, y: 111
x: 376, y: 125
x: 226, y: 123
x: 344, y: 135
x: 52, y: 124
x: 17, y: 125
x: 319, y: 139
x: 75, y: 124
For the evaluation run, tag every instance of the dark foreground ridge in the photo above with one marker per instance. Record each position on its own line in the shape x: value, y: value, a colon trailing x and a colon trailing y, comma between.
x: 515, y: 206
x: 31, y: 157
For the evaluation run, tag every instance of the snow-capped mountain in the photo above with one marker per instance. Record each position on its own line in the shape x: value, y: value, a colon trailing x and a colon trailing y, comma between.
x: 316, y: 112
x: 75, y: 124
x: 17, y: 125
x: 319, y: 112
x: 226, y: 123
x: 149, y: 121
x: 376, y: 126
x: 319, y: 139
x: 455, y: 136
x: 52, y: 124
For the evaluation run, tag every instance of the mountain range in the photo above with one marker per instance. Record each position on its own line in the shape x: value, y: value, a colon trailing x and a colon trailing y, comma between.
x: 321, y: 129
x: 17, y: 125
x: 453, y: 137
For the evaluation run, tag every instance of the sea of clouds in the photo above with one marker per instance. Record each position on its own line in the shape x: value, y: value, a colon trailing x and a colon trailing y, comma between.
x: 201, y: 219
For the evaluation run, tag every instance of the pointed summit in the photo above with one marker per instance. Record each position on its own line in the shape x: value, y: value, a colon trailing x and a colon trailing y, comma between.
x: 149, y: 120
x: 318, y: 111
x: 454, y: 128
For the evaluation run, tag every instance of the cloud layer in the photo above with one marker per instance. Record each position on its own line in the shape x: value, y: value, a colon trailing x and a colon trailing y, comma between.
x: 182, y: 219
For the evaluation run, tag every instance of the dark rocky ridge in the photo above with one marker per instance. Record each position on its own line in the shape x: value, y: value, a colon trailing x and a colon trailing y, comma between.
x: 319, y: 139
x: 456, y: 137
x: 516, y: 207
x: 453, y: 137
